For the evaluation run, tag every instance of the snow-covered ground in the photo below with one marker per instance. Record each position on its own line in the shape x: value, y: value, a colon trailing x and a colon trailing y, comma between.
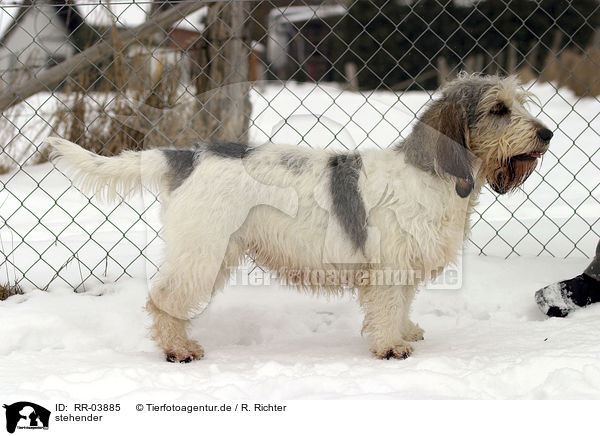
x: 486, y: 340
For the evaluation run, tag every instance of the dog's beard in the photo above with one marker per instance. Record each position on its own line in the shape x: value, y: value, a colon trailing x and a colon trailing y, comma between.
x: 510, y: 174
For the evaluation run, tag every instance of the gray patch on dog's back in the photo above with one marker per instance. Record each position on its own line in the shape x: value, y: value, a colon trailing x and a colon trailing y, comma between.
x: 234, y: 150
x: 181, y: 165
x: 294, y: 162
x: 348, y: 205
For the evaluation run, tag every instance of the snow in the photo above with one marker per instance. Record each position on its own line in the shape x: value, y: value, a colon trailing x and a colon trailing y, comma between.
x: 487, y: 340
x: 292, y: 14
x: 8, y: 10
x: 126, y: 13
x: 554, y: 296
x: 194, y: 21
x: 132, y: 14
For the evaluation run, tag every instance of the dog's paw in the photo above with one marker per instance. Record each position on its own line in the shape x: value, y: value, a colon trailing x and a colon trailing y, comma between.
x: 400, y: 351
x: 192, y: 351
x: 414, y: 333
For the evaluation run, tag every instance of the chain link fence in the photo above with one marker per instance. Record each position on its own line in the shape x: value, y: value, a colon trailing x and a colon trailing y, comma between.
x: 116, y: 75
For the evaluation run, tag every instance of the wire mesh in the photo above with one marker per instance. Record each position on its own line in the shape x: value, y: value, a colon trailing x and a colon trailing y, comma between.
x: 340, y: 74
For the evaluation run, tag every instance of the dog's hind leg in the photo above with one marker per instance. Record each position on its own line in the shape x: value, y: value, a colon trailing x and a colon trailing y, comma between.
x: 386, y: 319
x: 183, y: 290
x: 171, y: 335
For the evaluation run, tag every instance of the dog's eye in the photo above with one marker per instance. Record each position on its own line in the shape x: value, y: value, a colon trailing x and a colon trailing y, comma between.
x: 499, y: 109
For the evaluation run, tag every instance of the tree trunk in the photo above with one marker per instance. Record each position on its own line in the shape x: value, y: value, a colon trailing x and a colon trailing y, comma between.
x: 552, y: 67
x: 222, y: 85
x: 469, y: 64
x: 511, y: 58
x: 478, y: 63
x: 351, y: 73
x: 442, y: 70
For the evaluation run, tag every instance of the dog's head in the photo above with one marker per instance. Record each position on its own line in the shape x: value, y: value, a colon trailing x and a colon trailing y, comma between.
x: 483, y: 117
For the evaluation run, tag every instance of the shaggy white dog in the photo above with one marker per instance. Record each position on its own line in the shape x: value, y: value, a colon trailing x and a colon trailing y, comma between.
x: 324, y: 220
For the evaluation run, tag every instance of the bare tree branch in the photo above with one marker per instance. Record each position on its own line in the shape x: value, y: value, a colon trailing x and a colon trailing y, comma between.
x: 48, y: 79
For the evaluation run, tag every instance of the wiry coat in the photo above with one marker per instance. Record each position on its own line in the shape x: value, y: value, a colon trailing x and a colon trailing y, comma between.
x: 323, y: 220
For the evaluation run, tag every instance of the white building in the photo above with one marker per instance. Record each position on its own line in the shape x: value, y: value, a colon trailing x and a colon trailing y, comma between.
x: 42, y: 33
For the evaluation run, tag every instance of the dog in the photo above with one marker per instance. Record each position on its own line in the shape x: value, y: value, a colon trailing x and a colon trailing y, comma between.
x: 297, y: 210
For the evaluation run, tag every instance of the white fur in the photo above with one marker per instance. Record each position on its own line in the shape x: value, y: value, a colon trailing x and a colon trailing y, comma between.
x: 109, y: 177
x: 227, y: 207
x: 283, y: 215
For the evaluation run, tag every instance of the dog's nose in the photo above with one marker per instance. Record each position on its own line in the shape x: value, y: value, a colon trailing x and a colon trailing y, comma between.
x: 545, y: 134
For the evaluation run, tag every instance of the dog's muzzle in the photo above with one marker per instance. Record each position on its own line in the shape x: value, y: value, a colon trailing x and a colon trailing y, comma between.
x: 513, y: 172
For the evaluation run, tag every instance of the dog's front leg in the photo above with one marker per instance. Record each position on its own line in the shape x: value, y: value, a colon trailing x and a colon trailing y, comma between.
x: 386, y: 319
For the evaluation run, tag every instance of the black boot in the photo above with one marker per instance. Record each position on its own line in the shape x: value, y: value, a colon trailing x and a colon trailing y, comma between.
x: 558, y: 299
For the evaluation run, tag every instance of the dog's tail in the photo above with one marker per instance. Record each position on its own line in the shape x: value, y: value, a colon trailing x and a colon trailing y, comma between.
x: 109, y: 177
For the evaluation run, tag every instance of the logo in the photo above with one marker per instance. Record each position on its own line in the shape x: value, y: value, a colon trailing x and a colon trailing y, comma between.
x: 26, y: 415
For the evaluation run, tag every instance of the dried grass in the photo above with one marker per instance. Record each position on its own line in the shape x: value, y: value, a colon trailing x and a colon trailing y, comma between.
x: 580, y: 72
x: 130, y: 107
x: 8, y: 290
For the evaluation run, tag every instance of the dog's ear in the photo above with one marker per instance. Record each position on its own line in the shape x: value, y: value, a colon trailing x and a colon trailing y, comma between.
x: 452, y: 148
